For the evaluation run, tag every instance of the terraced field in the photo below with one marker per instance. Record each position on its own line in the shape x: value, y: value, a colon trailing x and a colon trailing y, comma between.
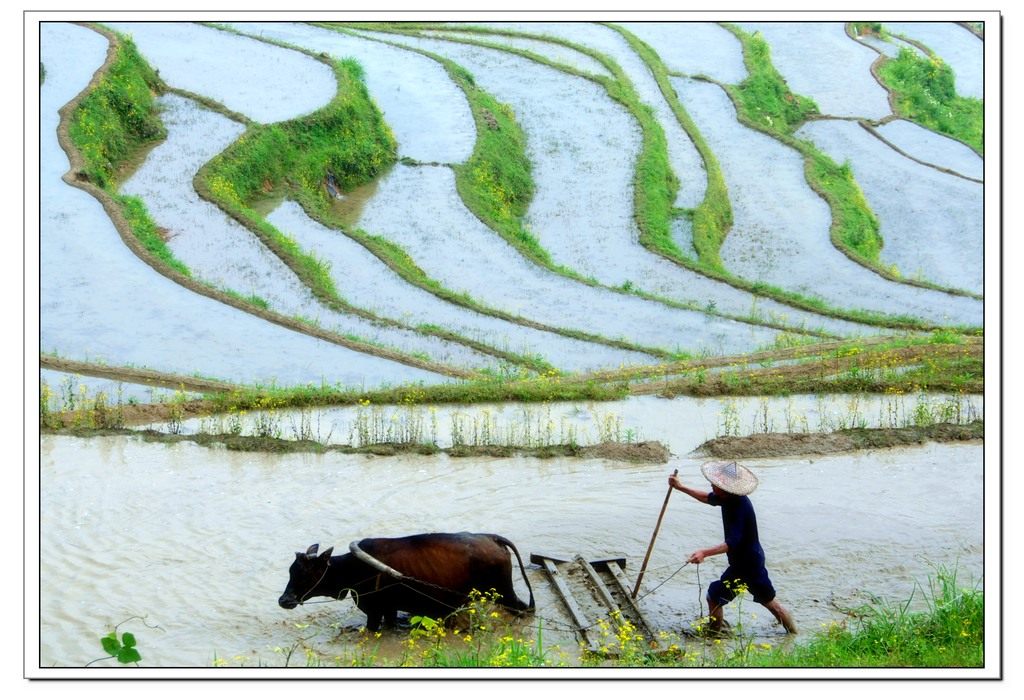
x: 597, y: 265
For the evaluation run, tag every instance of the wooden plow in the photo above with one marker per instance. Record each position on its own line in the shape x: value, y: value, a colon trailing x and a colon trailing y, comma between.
x: 597, y: 590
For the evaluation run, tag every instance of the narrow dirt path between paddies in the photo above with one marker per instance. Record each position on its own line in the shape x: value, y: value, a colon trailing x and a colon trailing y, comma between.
x: 821, y: 361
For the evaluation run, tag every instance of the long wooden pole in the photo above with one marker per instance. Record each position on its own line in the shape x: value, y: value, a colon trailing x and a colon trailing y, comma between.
x: 650, y: 548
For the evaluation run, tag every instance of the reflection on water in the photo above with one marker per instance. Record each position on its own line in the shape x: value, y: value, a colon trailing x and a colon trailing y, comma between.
x: 199, y: 541
x: 348, y: 206
x: 682, y: 424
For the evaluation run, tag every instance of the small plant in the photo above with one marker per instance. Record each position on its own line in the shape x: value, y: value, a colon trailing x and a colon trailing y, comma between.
x: 609, y: 428
x: 177, y: 411
x: 75, y: 408
x: 620, y: 638
x: 765, y: 422
x: 123, y: 647
x: 868, y: 28
x: 923, y: 412
x: 266, y: 420
x: 472, y: 637
x: 730, y: 424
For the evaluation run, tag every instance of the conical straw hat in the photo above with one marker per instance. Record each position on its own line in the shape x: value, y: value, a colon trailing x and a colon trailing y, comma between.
x: 730, y: 476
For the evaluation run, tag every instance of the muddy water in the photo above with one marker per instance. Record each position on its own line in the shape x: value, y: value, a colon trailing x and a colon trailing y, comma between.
x: 199, y: 541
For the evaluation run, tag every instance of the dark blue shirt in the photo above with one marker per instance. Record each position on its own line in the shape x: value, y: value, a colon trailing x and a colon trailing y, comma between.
x: 740, y: 525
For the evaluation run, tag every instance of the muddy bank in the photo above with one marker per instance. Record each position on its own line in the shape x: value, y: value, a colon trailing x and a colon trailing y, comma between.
x: 651, y: 452
x: 786, y: 444
x: 765, y: 445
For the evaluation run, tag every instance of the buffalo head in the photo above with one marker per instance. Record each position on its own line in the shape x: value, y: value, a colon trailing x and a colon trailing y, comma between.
x: 306, y: 573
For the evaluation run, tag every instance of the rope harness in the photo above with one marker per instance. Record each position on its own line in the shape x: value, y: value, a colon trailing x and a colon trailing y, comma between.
x: 403, y: 580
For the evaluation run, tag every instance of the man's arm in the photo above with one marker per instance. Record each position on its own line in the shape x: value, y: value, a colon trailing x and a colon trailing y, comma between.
x: 674, y: 482
x: 699, y: 556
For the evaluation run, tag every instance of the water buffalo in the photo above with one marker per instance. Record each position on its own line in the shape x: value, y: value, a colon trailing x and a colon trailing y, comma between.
x: 430, y: 574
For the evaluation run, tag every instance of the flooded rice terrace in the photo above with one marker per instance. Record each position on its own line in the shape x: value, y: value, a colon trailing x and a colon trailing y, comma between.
x: 192, y: 544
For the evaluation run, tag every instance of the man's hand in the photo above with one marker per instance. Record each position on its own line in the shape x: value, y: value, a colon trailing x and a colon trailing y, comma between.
x: 674, y: 482
x: 697, y: 557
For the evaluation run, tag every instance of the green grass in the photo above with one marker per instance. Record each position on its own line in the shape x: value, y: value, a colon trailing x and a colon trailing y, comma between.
x: 117, y: 116
x: 147, y: 233
x: 949, y: 633
x: 925, y: 92
x: 347, y: 139
x: 764, y: 96
x: 854, y: 226
x: 516, y: 388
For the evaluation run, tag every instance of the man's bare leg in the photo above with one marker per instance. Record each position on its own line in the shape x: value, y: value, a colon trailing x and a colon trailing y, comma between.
x: 781, y: 614
x: 715, y: 620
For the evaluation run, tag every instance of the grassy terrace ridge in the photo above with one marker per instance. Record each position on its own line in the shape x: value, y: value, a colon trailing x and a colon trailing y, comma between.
x: 764, y: 102
x: 922, y: 89
x: 712, y: 218
x: 653, y: 209
x: 116, y: 115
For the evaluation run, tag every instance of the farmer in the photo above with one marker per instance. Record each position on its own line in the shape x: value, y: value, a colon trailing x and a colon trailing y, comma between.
x: 730, y: 484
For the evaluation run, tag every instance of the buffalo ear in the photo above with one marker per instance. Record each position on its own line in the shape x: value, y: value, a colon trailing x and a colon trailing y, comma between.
x: 327, y: 553
x: 311, y: 552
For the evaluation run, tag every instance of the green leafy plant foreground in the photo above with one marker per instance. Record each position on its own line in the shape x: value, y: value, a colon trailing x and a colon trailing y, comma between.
x: 122, y: 649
